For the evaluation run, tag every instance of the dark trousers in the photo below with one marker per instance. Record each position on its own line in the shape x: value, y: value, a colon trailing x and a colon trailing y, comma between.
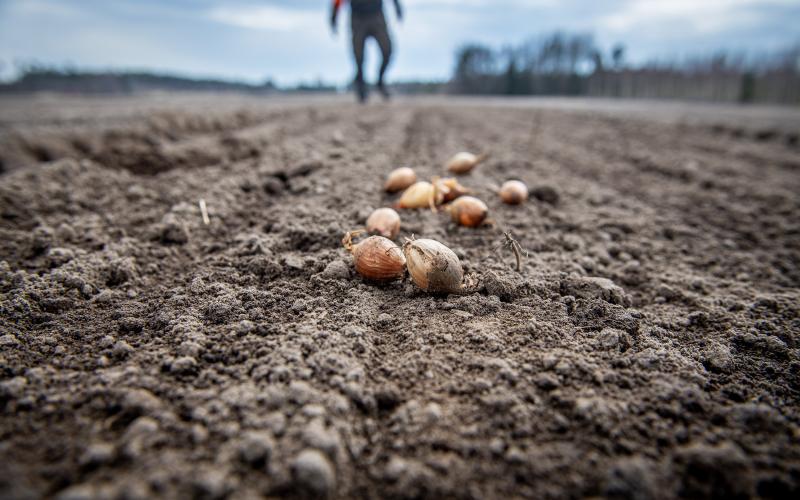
x: 363, y: 27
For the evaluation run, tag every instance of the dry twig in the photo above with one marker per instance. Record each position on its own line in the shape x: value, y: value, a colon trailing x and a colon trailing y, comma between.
x: 204, y: 212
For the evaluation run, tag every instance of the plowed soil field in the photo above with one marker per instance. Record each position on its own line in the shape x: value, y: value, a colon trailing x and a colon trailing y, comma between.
x: 649, y: 347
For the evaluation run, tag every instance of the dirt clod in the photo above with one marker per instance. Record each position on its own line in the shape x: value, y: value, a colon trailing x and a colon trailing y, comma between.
x: 313, y: 473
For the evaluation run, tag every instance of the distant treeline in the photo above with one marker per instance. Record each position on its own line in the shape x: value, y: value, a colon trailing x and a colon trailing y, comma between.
x: 557, y: 64
x: 571, y: 64
x: 46, y: 79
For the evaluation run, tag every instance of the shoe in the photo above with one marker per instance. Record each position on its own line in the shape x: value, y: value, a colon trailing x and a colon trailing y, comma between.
x: 384, y: 91
x: 361, y: 91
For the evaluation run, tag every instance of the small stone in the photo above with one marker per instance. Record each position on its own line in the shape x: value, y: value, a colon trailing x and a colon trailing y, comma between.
x: 384, y: 320
x: 131, y: 325
x: 97, y: 454
x: 121, y: 349
x: 173, y: 231
x: 504, y: 288
x: 300, y: 392
x: 8, y: 340
x: 141, y: 402
x: 697, y: 318
x: 65, y: 232
x: 432, y: 413
x: 667, y: 293
x: 211, y: 484
x: 587, y: 263
x: 316, y: 435
x: 337, y: 269
x: 183, y: 365
x: 396, y: 468
x: 719, y: 358
x: 612, y: 338
x: 294, y: 263
x: 41, y: 239
x: 140, y: 435
x: 104, y: 297
x: 547, y: 381
x: 106, y: 342
x: 464, y: 315
x: 594, y: 287
x: 572, y: 242
x: 59, y: 256
x: 256, y: 448
x: 313, y: 472
x: 631, y: 478
x: 190, y: 349
x: 272, y: 185
x: 77, y: 492
x: 244, y: 327
x: 121, y: 271
x: 515, y: 456
x: 563, y: 367
x: 549, y: 361
x: 497, y: 446
x: 13, y: 388
x: 199, y: 433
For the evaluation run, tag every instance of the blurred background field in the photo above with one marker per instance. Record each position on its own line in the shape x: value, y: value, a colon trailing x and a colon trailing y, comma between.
x: 726, y: 51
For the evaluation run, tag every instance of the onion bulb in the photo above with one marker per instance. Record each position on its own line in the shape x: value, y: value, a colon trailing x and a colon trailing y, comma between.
x: 433, y: 267
x: 399, y: 179
x: 376, y: 258
x: 463, y: 162
x: 385, y: 222
x: 420, y: 195
x: 513, y: 192
x: 449, y: 188
x: 468, y: 211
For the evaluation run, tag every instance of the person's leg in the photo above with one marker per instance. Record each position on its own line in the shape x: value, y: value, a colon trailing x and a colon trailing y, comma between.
x: 381, y: 33
x: 359, y: 31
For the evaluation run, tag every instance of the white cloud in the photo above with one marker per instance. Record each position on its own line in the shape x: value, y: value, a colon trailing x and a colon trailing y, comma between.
x: 480, y: 3
x: 702, y: 17
x: 267, y: 17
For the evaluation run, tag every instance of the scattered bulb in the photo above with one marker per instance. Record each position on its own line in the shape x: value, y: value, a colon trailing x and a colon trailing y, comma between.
x: 376, y: 258
x: 464, y: 162
x: 468, y: 211
x: 399, y: 179
x: 433, y: 267
x: 449, y: 188
x: 513, y: 192
x: 420, y: 195
x: 385, y: 222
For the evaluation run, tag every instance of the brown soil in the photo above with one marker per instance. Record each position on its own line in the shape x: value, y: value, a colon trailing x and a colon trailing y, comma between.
x: 648, y: 348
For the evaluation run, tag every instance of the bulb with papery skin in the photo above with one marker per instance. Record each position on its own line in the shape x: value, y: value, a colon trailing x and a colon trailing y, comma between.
x: 450, y: 188
x: 385, y: 222
x: 419, y: 195
x: 468, y: 211
x: 464, y: 162
x: 433, y: 267
x: 399, y: 179
x: 376, y: 258
x: 513, y: 192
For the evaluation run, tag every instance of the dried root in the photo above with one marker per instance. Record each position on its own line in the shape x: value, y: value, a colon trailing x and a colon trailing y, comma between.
x: 512, y: 244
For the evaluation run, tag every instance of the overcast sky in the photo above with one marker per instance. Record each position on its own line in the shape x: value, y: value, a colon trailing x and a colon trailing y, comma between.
x: 290, y: 41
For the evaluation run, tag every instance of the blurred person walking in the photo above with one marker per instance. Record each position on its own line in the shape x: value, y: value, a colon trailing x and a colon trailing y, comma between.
x: 367, y: 21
